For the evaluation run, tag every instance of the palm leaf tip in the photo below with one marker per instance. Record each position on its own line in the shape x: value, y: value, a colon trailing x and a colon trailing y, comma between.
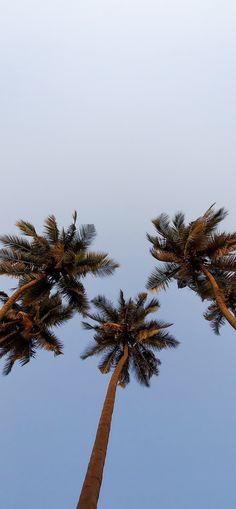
x: 107, y: 266
x: 179, y: 219
x: 58, y: 352
x: 215, y: 217
x: 74, y: 216
x: 51, y: 229
x: 215, y: 317
x: 98, y: 264
x: 210, y: 209
x: 122, y: 385
x: 157, y: 281
x: 26, y: 228
x: 141, y: 299
x: 85, y: 236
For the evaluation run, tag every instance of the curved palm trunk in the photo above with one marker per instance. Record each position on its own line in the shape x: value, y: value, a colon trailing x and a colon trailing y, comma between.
x: 93, y: 479
x: 15, y: 296
x: 219, y: 297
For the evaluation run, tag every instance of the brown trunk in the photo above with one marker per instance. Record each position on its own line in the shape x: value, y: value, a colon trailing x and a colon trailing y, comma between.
x: 16, y: 295
x: 93, y: 479
x: 219, y: 297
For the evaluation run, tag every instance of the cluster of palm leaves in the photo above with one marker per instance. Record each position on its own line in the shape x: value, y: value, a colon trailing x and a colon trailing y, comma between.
x: 57, y: 259
x: 196, y: 255
x: 27, y: 327
x: 127, y: 324
x: 50, y: 270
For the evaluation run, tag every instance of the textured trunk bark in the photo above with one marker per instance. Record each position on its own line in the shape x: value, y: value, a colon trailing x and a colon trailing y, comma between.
x: 219, y: 297
x: 16, y: 296
x: 93, y: 479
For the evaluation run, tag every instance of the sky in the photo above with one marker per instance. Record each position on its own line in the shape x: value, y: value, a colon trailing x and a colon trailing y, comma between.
x: 120, y: 109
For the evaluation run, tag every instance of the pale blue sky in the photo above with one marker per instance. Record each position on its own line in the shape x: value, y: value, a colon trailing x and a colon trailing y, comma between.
x: 121, y: 109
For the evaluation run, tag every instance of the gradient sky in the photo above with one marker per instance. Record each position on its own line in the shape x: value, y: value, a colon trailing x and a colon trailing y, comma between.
x: 121, y: 109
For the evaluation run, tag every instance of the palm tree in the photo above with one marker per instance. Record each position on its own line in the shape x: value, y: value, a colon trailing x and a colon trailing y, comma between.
x: 196, y: 255
x: 27, y: 327
x: 56, y: 259
x: 127, y: 341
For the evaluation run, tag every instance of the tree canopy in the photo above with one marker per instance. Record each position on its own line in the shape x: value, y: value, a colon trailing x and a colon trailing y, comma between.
x: 128, y: 324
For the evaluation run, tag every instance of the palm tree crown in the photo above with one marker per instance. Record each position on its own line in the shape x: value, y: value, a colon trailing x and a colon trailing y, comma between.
x: 186, y: 249
x: 28, y: 327
x: 197, y: 256
x: 59, y: 258
x: 127, y: 324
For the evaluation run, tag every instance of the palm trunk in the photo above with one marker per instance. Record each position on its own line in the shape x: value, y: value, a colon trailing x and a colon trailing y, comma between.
x: 219, y: 297
x: 93, y: 479
x: 16, y: 295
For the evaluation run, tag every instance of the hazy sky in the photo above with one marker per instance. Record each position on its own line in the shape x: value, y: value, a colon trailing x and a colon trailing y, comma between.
x: 120, y: 109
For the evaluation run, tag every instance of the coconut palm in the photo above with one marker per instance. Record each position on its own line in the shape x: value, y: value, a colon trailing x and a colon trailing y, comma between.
x: 127, y: 342
x: 59, y: 259
x: 195, y: 255
x: 28, y: 327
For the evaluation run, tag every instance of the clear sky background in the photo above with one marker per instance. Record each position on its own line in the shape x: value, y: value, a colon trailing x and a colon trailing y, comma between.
x: 121, y: 109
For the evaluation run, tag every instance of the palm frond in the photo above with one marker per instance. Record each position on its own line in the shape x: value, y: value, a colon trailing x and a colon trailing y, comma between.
x: 161, y: 278
x: 214, y: 315
x: 108, y: 310
x: 162, y: 224
x: 16, y: 243
x: 141, y: 299
x: 144, y: 365
x: 88, y: 326
x: 221, y: 244
x: 51, y: 229
x: 37, y: 292
x: 121, y: 299
x: 152, y: 306
x: 30, y: 261
x: 15, y: 271
x: 214, y: 217
x: 197, y: 239
x: 158, y: 242
x: 98, y: 264
x: 74, y: 293
x: 161, y: 341
x: 22, y: 351
x: 226, y: 263
x: 179, y: 220
x: 109, y: 359
x: 95, y: 349
x: 26, y: 228
x: 47, y: 340
x: 84, y: 237
x: 164, y: 256
x: 125, y: 376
